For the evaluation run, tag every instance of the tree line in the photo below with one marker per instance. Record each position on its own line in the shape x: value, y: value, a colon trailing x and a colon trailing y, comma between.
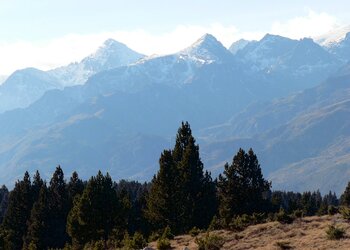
x: 181, y: 197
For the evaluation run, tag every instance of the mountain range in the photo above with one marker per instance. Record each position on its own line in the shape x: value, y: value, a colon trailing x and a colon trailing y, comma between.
x: 117, y: 110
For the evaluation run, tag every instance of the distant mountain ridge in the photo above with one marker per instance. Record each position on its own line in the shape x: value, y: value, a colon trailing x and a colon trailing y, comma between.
x: 123, y: 117
x: 25, y: 86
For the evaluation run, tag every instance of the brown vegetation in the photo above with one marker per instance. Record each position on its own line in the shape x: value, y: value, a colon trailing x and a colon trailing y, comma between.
x: 305, y: 233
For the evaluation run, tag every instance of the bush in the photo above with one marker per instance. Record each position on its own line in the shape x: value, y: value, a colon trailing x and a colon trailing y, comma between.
x: 163, y: 244
x: 240, y: 223
x: 136, y: 242
x: 215, y: 224
x: 283, y: 217
x: 194, y: 232
x: 95, y: 245
x: 257, y: 218
x: 167, y: 234
x: 335, y: 233
x: 154, y: 236
x: 345, y: 212
x: 298, y: 213
x: 210, y: 242
x: 332, y: 210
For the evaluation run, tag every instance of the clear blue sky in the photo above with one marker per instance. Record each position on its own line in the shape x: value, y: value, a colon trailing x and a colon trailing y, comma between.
x: 40, y: 22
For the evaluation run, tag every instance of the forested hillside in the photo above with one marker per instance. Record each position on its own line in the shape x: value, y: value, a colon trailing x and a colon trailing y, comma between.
x: 102, y: 214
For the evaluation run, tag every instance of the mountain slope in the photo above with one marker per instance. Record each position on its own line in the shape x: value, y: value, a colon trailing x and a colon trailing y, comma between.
x: 24, y: 87
x: 302, y: 141
x: 111, y: 54
x: 124, y: 117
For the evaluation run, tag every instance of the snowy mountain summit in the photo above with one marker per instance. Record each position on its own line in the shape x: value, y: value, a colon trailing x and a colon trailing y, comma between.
x: 110, y: 55
x: 206, y: 50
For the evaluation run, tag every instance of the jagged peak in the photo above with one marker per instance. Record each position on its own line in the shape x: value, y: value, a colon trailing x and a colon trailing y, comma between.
x: 272, y: 37
x: 207, y: 48
x: 112, y: 43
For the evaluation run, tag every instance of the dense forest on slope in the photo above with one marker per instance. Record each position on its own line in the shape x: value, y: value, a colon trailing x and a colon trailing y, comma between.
x: 181, y: 198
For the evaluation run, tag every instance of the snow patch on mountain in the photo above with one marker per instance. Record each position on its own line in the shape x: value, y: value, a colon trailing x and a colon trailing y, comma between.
x: 238, y: 45
x: 206, y: 50
x: 3, y: 79
x: 110, y: 55
x: 332, y: 37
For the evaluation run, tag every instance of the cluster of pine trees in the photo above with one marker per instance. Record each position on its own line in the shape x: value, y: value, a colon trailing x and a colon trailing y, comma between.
x: 181, y: 196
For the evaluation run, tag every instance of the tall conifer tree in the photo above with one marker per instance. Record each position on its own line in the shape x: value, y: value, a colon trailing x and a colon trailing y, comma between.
x: 96, y: 212
x: 17, y: 214
x: 242, y: 188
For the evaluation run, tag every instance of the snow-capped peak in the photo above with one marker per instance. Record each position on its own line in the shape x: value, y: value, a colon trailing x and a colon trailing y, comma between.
x: 206, y: 49
x: 333, y: 37
x: 110, y: 55
x: 238, y: 45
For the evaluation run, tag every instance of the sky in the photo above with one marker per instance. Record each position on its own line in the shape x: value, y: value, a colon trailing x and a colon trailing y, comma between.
x: 46, y: 34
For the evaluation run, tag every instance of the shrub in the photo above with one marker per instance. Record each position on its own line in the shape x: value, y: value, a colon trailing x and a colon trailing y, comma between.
x: 210, y: 242
x: 283, y: 245
x: 215, y: 224
x: 345, y: 212
x: 167, y: 234
x: 257, y: 218
x: 136, y: 242
x: 95, y: 245
x: 194, y: 231
x: 163, y: 244
x: 240, y: 222
x: 153, y: 237
x: 283, y: 217
x: 298, y: 213
x: 332, y: 210
x: 335, y: 233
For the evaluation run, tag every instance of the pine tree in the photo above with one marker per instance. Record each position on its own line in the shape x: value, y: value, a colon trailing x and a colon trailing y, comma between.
x: 162, y: 208
x: 4, y: 194
x: 58, y: 209
x: 38, y: 232
x: 95, y: 213
x: 242, y: 188
x: 181, y: 196
x: 75, y: 187
x: 18, y: 212
x: 345, y: 197
x: 36, y: 186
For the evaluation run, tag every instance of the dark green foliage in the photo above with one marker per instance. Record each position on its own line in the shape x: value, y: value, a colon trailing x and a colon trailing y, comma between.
x: 38, y: 236
x: 240, y: 222
x: 332, y: 210
x: 96, y: 212
x: 136, y: 194
x: 283, y: 217
x: 36, y: 186
x: 136, y: 242
x: 4, y: 195
x: 345, y: 212
x: 163, y: 244
x: 335, y: 233
x: 242, y: 188
x: 58, y: 209
x: 75, y: 187
x: 162, y: 200
x: 194, y: 231
x: 17, y: 214
x: 182, y: 195
x: 167, y: 234
x: 210, y: 242
x: 345, y: 197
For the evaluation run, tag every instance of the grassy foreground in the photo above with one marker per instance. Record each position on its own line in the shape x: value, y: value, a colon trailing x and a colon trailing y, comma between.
x: 305, y: 233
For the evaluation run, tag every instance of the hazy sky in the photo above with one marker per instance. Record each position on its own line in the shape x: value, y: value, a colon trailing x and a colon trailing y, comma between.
x: 47, y: 34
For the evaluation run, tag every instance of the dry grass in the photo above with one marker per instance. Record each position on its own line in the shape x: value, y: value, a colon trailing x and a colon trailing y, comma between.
x: 306, y: 233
